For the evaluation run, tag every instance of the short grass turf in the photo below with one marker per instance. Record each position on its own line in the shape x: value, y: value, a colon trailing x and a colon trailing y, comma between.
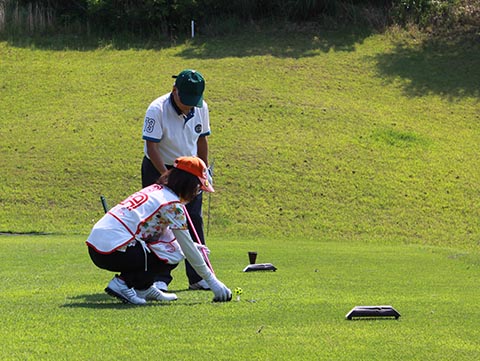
x: 348, y: 159
x: 52, y: 304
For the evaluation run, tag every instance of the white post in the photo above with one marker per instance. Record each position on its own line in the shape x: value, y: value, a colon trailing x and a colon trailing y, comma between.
x: 193, y: 29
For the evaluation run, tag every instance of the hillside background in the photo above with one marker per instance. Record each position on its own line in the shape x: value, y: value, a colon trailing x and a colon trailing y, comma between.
x: 321, y: 130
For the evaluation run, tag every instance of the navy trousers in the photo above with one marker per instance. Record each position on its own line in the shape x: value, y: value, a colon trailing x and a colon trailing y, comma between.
x: 131, y: 265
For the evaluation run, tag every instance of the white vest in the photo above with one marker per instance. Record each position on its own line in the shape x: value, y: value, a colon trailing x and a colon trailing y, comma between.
x: 139, y: 217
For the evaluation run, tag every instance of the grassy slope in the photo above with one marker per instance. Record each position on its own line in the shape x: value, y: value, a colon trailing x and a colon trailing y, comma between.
x: 377, y: 141
x: 326, y: 135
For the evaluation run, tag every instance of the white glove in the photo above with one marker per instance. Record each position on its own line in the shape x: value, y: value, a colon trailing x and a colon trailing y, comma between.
x: 221, y: 292
x: 202, y: 248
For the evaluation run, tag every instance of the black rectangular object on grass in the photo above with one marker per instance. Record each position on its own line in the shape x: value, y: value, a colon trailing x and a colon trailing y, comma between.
x: 372, y: 311
x: 260, y: 267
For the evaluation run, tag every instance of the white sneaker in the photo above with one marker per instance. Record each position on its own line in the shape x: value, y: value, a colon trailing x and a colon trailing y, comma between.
x: 119, y: 289
x: 154, y: 294
x: 162, y: 286
x: 200, y: 285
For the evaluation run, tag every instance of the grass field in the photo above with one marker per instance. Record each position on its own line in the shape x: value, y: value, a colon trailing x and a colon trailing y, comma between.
x: 373, y: 137
x: 53, y: 307
x: 346, y: 158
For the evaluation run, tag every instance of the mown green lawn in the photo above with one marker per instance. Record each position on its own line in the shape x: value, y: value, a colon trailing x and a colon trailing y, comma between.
x: 344, y: 135
x: 348, y: 159
x: 53, y: 307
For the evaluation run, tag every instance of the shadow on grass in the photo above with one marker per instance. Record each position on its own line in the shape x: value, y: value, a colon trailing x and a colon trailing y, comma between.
x: 444, y: 67
x: 281, y: 44
x: 104, y: 301
x: 285, y: 42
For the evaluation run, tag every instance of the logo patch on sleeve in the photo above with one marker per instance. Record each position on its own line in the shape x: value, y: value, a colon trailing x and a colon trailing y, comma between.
x: 198, y: 128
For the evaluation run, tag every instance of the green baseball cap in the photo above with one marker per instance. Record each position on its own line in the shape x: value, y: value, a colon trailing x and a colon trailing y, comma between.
x: 190, y: 85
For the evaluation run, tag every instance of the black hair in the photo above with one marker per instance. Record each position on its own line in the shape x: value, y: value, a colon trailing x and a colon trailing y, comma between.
x: 185, y: 185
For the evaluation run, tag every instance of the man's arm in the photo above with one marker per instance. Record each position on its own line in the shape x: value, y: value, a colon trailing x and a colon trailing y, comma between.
x: 202, y: 149
x: 155, y: 158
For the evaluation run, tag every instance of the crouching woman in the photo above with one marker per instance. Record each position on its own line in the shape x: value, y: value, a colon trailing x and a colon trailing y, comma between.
x: 147, y: 235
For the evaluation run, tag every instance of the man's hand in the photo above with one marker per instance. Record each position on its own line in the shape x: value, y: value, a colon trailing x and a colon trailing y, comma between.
x: 210, y: 175
x: 202, y: 248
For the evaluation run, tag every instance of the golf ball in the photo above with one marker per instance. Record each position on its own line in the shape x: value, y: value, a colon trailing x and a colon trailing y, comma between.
x: 238, y: 291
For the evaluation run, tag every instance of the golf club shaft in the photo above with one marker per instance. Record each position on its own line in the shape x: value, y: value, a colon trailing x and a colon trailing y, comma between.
x: 208, y: 213
x: 104, y: 204
x: 209, y: 198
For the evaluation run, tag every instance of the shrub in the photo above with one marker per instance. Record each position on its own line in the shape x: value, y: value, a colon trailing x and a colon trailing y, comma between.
x: 172, y: 17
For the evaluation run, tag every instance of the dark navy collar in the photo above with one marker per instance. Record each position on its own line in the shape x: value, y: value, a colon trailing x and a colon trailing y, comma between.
x: 179, y: 112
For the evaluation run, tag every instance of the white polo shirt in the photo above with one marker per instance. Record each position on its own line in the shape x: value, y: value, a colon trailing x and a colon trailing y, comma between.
x: 176, y: 134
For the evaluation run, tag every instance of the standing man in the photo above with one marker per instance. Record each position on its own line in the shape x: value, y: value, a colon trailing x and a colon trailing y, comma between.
x: 177, y: 124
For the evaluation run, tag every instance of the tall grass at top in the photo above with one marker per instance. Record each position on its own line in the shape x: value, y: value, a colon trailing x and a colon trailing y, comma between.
x: 171, y: 20
x: 29, y: 19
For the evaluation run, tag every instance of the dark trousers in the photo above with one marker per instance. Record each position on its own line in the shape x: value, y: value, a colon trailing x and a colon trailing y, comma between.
x: 131, y: 265
x: 150, y: 175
